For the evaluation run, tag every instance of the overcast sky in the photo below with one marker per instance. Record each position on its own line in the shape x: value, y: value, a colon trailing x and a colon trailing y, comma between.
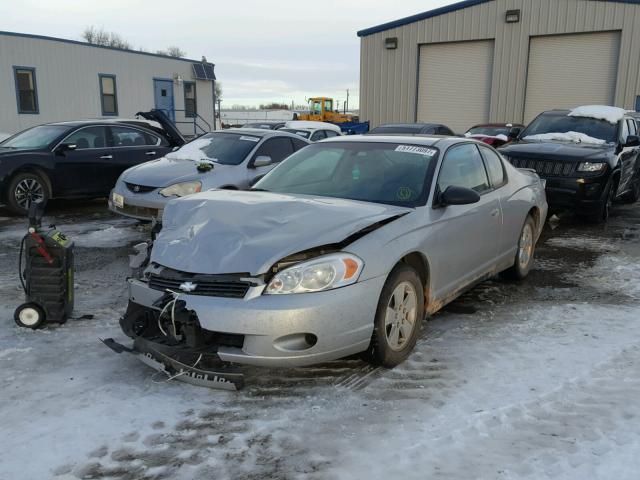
x: 278, y: 50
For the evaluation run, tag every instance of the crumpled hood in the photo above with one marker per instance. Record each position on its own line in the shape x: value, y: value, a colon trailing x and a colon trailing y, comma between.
x: 167, y: 171
x: 226, y: 231
x: 557, y: 150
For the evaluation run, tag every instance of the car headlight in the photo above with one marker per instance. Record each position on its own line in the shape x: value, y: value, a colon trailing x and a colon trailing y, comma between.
x: 181, y: 189
x: 591, y: 167
x: 322, y: 273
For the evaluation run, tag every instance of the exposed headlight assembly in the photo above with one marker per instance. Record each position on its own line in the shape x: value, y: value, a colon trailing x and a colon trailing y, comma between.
x: 591, y: 167
x: 322, y: 273
x: 181, y: 189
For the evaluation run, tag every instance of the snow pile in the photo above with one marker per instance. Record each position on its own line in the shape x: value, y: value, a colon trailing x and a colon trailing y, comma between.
x: 599, y: 112
x: 575, y: 137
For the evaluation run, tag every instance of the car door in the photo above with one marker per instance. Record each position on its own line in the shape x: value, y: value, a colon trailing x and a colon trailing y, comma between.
x: 467, y: 235
x: 131, y: 147
x: 628, y: 155
x: 81, y: 166
x: 276, y: 148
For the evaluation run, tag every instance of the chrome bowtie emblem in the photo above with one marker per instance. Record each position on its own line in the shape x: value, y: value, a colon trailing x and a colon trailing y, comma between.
x: 136, y: 188
x: 188, y: 286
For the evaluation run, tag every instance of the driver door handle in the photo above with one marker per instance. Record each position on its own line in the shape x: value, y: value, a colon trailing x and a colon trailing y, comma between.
x: 152, y: 152
x: 495, y: 213
x: 106, y: 157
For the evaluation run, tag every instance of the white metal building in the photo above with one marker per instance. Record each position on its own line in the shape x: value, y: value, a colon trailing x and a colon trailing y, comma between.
x: 480, y: 61
x: 47, y: 79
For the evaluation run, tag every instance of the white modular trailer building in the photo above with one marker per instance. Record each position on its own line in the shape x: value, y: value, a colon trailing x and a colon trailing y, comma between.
x: 479, y: 61
x: 46, y: 79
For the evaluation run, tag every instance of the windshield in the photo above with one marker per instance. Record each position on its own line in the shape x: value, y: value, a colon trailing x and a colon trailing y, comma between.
x: 389, y: 173
x: 302, y: 133
x: 223, y: 148
x: 553, y: 123
x: 37, y: 137
x: 489, y: 131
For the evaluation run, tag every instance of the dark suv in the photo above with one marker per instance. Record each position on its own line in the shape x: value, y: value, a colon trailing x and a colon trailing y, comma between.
x: 587, y: 162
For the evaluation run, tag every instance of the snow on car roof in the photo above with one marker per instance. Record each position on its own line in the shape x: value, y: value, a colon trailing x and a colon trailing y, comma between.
x: 599, y: 112
x: 575, y: 137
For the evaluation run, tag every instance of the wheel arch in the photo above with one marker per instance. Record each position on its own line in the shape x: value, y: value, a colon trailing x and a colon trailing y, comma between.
x: 419, y: 262
x: 29, y: 168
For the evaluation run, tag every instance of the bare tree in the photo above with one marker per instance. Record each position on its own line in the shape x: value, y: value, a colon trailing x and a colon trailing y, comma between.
x: 99, y: 36
x: 172, y: 52
x: 274, y: 106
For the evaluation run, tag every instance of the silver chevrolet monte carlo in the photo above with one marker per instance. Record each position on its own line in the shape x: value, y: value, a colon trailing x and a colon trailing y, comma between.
x: 343, y: 248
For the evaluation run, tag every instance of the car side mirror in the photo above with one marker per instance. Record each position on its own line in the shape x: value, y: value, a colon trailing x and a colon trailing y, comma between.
x: 514, y: 132
x: 458, y: 196
x: 66, y: 147
x: 262, y: 161
x: 632, y: 141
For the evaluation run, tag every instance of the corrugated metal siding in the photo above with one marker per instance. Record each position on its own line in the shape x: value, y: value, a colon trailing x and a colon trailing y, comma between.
x: 67, y: 81
x: 566, y: 71
x: 383, y: 101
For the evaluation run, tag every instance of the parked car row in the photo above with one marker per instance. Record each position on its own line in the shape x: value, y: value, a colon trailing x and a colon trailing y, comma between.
x: 274, y: 250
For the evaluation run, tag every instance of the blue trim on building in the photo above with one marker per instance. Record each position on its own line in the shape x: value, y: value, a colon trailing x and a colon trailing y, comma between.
x: 441, y: 11
x: 35, y: 90
x: 85, y: 44
x: 115, y: 94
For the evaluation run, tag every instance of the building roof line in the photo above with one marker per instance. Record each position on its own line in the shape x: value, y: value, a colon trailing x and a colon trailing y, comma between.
x: 441, y: 11
x: 86, y: 44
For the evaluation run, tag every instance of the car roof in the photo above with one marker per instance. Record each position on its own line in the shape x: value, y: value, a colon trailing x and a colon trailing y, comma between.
x: 409, y: 124
x: 513, y: 124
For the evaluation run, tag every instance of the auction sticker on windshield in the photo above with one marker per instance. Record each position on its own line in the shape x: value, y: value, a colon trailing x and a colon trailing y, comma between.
x: 417, y: 150
x: 249, y: 139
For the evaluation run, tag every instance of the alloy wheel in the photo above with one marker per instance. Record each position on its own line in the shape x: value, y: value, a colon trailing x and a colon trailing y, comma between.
x: 525, y: 246
x: 400, y: 318
x: 27, y: 191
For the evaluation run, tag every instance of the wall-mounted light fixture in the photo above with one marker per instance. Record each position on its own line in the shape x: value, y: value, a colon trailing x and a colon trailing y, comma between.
x: 391, y: 43
x: 512, y: 16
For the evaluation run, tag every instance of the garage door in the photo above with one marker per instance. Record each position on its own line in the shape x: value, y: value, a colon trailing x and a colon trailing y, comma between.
x: 454, y: 85
x: 570, y: 70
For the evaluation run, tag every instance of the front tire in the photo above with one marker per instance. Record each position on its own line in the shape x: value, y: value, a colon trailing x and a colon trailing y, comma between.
x: 601, y: 214
x: 633, y: 195
x: 25, y: 188
x: 525, y: 253
x: 29, y: 315
x: 398, y: 318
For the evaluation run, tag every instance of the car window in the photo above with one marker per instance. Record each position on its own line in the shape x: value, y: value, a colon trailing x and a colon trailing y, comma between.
x: 552, y: 122
x: 331, y: 133
x: 277, y: 148
x: 130, y: 137
x: 318, y: 135
x: 494, y: 167
x: 320, y: 167
x: 624, y: 132
x: 88, y: 137
x: 444, y: 131
x: 632, y: 127
x: 298, y: 144
x: 462, y: 167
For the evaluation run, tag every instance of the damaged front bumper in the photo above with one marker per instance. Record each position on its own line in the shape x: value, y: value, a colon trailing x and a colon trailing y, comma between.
x: 200, y: 369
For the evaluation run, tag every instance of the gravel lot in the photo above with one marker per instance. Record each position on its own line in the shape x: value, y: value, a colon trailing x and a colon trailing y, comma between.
x: 532, y: 380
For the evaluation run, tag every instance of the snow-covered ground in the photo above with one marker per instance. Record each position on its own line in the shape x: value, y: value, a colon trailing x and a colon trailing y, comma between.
x: 533, y: 380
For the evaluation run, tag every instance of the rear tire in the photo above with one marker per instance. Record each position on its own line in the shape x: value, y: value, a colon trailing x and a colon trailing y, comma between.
x: 525, y: 253
x: 398, y: 318
x: 27, y: 187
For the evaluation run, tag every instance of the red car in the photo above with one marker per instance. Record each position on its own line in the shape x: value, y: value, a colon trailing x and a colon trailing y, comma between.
x: 494, y: 134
